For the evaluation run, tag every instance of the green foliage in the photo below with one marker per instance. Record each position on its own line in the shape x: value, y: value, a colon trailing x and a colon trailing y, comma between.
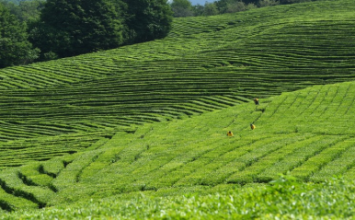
x: 72, y: 28
x: 231, y: 6
x: 152, y: 119
x: 198, y: 10
x: 14, y: 46
x: 186, y: 4
x: 148, y: 20
x: 25, y: 11
x: 265, y: 3
x: 282, y: 198
x: 210, y: 9
x: 17, y: 2
x: 181, y: 8
x: 294, y: 1
x: 236, y: 7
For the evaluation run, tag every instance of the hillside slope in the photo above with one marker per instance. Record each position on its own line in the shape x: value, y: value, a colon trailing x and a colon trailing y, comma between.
x: 154, y: 116
x: 307, y: 133
x: 206, y: 63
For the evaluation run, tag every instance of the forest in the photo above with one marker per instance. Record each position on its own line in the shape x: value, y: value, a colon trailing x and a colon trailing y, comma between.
x: 43, y: 30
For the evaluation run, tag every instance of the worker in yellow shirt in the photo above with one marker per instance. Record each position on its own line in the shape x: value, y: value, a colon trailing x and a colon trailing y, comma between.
x: 252, y: 126
x: 256, y: 101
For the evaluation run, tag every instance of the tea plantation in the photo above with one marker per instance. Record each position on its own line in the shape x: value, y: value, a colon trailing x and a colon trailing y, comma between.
x: 141, y: 131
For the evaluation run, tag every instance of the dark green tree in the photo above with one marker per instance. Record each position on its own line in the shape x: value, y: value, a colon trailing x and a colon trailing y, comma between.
x: 294, y: 1
x: 182, y: 8
x: 148, y: 19
x: 72, y: 27
x: 251, y: 1
x: 15, y: 48
x: 15, y: 1
x: 31, y: 10
x: 25, y: 10
x: 210, y: 9
x: 231, y: 6
x: 222, y: 5
x: 236, y: 7
x: 198, y: 10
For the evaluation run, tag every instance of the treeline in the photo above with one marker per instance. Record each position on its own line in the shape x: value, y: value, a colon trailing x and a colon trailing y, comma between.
x: 43, y: 30
x: 24, y: 10
x: 40, y: 30
x: 184, y: 8
x: 15, y: 1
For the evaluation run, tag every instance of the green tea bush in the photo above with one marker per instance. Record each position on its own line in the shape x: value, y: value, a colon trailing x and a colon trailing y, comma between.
x: 152, y: 118
x: 283, y: 198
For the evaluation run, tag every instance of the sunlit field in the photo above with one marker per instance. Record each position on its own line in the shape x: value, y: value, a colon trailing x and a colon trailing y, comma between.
x: 141, y: 131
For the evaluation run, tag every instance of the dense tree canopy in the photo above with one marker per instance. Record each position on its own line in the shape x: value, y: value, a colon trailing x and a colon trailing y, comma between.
x: 182, y: 8
x: 69, y: 27
x: 14, y: 45
x: 16, y: 1
x: 210, y: 9
x: 148, y: 19
x: 25, y: 11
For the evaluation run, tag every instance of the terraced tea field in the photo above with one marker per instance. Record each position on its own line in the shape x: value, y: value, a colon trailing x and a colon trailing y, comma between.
x: 307, y: 133
x: 152, y: 118
x: 227, y: 60
x: 267, y: 43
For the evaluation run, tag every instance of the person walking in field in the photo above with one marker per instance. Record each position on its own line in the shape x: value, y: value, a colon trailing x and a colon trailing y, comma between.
x: 230, y: 134
x: 252, y: 126
x: 256, y: 101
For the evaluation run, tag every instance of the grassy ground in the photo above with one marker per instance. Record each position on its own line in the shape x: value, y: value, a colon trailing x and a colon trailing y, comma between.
x: 152, y: 118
